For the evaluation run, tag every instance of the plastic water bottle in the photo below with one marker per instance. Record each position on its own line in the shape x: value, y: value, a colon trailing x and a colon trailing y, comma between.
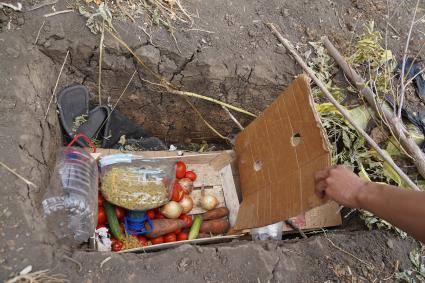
x: 70, y: 203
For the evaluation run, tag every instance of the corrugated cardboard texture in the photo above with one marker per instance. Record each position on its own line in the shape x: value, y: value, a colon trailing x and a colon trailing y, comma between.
x: 278, y: 154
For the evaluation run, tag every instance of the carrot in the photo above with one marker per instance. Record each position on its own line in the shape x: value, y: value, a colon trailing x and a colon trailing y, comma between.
x: 216, y: 226
x: 215, y: 213
x: 164, y: 226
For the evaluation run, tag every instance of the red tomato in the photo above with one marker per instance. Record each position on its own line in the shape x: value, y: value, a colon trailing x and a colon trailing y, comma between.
x: 190, y: 175
x: 177, y: 193
x: 101, y: 216
x: 181, y: 236
x: 100, y: 199
x: 157, y: 240
x: 178, y: 231
x: 158, y: 215
x: 170, y: 237
x: 120, y: 212
x: 142, y: 240
x: 100, y: 226
x: 116, y: 245
x: 180, y: 169
x: 151, y: 214
x: 187, y: 219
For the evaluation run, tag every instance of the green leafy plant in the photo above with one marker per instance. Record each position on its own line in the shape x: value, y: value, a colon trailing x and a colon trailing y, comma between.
x: 417, y: 273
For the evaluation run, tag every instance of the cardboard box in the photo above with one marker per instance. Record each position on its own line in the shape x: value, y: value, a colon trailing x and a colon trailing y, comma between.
x: 270, y: 175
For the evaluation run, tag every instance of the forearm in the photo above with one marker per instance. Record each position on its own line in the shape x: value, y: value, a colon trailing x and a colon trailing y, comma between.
x: 401, y: 207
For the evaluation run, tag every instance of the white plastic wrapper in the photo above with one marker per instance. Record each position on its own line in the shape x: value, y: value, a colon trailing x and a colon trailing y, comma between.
x: 269, y: 232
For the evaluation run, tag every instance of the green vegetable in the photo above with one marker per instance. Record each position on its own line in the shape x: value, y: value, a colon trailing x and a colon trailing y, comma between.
x: 114, y: 226
x: 196, y: 225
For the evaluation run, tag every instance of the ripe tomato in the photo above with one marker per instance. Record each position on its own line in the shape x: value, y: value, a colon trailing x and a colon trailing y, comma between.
x: 142, y: 240
x: 157, y: 240
x: 178, y: 231
x: 190, y: 175
x: 101, y: 216
x: 187, y: 219
x: 181, y: 236
x: 158, y: 215
x: 180, y: 169
x: 151, y: 213
x: 100, y: 199
x: 170, y: 237
x: 120, y: 212
x: 177, y: 193
x: 116, y: 245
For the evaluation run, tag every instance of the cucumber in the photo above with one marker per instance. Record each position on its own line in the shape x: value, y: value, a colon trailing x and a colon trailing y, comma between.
x: 114, y: 225
x: 196, y: 225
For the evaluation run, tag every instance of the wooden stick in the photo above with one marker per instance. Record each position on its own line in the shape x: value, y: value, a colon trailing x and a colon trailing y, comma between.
x: 340, y: 108
x: 396, y: 125
x: 294, y: 226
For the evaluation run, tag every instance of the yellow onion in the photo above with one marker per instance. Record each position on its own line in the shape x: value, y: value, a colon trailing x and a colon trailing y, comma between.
x: 208, y: 201
x: 186, y: 203
x: 171, y: 210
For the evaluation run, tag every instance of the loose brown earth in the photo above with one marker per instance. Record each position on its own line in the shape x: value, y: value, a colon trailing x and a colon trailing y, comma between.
x: 240, y: 63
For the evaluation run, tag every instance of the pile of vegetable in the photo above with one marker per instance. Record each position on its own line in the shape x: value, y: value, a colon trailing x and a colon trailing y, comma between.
x: 170, y: 222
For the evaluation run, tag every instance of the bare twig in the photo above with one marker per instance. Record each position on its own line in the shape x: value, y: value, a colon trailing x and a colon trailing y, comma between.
x: 396, y: 126
x: 18, y: 6
x: 29, y: 183
x: 99, y: 80
x: 369, y: 265
x: 170, y: 87
x: 56, y: 85
x: 233, y: 118
x: 38, y: 33
x: 105, y: 261
x: 38, y: 277
x: 294, y: 226
x: 41, y: 5
x: 206, y: 122
x: 403, y: 64
x: 124, y: 11
x: 80, y: 267
x: 340, y: 108
x: 58, y: 13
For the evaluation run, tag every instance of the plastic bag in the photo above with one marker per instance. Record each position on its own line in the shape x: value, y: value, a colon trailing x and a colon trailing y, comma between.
x: 70, y: 203
x: 269, y: 232
x: 135, y: 182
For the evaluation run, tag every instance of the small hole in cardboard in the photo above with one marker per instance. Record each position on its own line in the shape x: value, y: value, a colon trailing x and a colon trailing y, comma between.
x: 295, y: 139
x: 258, y: 165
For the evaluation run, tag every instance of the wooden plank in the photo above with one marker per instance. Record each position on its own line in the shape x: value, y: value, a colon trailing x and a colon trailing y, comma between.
x: 230, y: 193
x: 206, y: 175
x: 223, y: 159
x: 216, y: 191
x: 202, y: 241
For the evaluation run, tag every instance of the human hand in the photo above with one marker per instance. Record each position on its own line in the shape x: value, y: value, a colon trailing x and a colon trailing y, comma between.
x: 339, y: 184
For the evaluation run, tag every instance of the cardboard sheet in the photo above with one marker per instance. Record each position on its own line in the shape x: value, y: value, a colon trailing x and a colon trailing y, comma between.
x: 278, y: 154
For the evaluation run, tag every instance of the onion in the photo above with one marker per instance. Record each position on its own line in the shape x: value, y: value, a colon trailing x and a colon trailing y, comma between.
x: 208, y: 202
x: 172, y: 210
x: 187, y: 185
x: 186, y: 203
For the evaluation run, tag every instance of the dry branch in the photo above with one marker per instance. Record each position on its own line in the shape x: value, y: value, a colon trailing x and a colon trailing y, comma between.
x: 340, y: 108
x: 395, y: 124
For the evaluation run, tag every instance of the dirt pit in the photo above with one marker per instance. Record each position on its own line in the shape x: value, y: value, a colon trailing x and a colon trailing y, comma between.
x: 239, y: 62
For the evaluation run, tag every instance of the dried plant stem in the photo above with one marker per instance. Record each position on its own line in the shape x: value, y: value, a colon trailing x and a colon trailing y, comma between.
x: 340, y: 108
x: 233, y: 118
x: 38, y: 33
x: 99, y: 80
x: 171, y: 88
x: 58, y: 13
x: 403, y: 64
x: 395, y: 124
x: 29, y: 183
x: 56, y: 85
x: 38, y: 277
x: 369, y: 265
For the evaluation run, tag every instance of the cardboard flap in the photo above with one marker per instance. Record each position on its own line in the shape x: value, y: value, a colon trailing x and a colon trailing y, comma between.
x: 278, y: 154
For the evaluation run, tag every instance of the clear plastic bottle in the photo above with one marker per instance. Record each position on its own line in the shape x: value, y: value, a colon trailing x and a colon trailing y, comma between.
x: 70, y: 203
